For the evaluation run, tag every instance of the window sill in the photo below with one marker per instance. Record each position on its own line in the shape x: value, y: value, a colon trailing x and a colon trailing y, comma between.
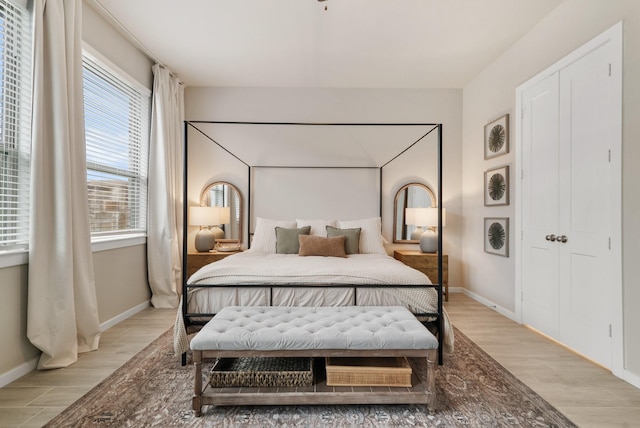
x: 117, y: 241
x: 14, y: 258
x: 21, y: 257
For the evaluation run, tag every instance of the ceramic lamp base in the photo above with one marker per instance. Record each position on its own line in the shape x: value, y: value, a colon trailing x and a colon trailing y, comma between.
x: 417, y: 233
x: 217, y: 232
x: 205, y: 240
x: 429, y: 242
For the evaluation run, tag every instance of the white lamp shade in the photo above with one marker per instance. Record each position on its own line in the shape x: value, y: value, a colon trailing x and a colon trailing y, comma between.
x: 225, y: 215
x: 209, y: 216
x: 410, y: 216
x: 427, y: 217
x: 204, y: 216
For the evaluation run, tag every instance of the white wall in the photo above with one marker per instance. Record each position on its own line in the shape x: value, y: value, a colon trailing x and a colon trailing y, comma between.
x: 101, y: 36
x: 337, y: 105
x: 492, y: 93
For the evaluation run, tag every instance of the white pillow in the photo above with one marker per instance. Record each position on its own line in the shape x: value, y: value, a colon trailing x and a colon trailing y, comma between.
x: 264, y: 236
x: 370, y: 234
x: 318, y: 227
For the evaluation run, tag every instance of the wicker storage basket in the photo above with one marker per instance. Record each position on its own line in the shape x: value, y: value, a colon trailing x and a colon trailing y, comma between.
x: 262, y: 372
x: 391, y: 371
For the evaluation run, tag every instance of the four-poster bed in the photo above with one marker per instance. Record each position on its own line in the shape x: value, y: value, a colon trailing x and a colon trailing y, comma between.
x: 289, y: 279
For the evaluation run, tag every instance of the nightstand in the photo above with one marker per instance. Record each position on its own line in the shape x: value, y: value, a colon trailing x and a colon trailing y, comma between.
x: 196, y: 260
x: 426, y: 263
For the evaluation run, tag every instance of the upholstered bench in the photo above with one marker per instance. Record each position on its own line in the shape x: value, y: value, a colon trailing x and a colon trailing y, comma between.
x: 341, y: 331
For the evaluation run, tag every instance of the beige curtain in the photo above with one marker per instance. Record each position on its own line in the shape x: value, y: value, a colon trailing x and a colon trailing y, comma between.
x: 164, y: 220
x: 62, y: 313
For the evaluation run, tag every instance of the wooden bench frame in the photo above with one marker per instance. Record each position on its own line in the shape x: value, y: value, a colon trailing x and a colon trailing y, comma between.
x: 422, y: 391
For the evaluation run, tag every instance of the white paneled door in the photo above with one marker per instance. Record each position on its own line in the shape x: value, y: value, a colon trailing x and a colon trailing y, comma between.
x: 586, y: 95
x: 540, y: 206
x: 569, y: 129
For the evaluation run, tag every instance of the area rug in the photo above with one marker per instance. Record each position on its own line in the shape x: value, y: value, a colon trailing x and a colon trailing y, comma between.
x: 154, y: 390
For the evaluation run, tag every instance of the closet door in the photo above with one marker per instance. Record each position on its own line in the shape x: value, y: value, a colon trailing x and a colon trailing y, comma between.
x: 540, y: 262
x: 585, y: 113
x: 568, y: 124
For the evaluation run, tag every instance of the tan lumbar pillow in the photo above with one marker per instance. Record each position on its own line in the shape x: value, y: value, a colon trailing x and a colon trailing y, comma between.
x: 312, y: 245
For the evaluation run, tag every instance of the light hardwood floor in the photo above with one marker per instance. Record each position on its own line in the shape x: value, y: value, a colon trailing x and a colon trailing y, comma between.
x: 589, y: 395
x: 586, y: 393
x: 37, y: 397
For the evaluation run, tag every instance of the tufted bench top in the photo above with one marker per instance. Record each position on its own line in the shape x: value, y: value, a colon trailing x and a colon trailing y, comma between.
x: 272, y: 328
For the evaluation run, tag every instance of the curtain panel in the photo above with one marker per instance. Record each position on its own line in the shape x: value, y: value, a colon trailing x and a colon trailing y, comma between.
x: 164, y: 220
x: 62, y: 310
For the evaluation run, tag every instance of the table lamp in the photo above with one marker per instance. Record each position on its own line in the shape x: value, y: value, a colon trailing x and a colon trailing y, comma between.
x: 223, y: 216
x: 410, y: 220
x: 204, y: 217
x: 428, y: 217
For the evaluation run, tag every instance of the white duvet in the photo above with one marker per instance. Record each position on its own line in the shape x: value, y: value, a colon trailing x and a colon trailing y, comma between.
x: 251, y: 268
x: 254, y: 270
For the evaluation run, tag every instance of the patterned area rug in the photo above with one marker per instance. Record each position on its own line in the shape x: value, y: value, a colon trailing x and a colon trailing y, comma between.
x: 154, y: 390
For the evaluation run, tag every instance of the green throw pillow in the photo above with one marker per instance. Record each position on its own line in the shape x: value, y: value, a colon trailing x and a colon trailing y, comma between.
x: 352, y: 238
x: 287, y: 239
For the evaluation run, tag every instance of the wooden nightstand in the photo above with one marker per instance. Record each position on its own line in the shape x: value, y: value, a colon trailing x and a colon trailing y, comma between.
x: 196, y: 260
x: 426, y: 263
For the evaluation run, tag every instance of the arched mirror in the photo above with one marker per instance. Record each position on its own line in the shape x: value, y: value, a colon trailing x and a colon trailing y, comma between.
x: 223, y: 194
x: 412, y: 195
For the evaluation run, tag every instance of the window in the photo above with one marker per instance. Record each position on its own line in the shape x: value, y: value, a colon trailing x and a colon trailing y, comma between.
x: 15, y: 122
x: 116, y: 128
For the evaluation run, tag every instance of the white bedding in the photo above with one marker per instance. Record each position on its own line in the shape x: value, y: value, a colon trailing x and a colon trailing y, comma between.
x: 253, y: 268
x: 259, y: 268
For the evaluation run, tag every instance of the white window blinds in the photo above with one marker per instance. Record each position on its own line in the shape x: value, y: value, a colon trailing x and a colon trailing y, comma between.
x: 15, y: 122
x: 116, y: 129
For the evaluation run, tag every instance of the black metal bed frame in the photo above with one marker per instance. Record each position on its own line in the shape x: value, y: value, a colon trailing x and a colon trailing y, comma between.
x: 438, y: 286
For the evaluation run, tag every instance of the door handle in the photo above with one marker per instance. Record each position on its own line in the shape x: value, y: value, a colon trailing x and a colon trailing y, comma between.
x: 563, y: 238
x: 551, y: 238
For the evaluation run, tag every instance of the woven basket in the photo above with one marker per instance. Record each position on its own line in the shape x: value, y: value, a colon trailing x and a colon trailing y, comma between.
x: 262, y: 372
x: 368, y: 372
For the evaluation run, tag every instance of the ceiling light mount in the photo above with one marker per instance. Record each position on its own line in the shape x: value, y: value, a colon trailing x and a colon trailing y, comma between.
x: 322, y: 1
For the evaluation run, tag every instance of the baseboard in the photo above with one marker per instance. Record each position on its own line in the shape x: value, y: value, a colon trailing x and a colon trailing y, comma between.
x: 123, y: 316
x: 18, y: 372
x: 29, y: 366
x: 488, y: 303
x: 631, y: 378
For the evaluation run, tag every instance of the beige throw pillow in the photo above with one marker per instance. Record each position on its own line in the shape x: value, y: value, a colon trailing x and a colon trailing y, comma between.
x: 313, y: 245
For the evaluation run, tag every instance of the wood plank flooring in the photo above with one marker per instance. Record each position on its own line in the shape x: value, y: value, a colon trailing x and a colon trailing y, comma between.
x: 586, y: 393
x: 37, y: 397
x: 589, y: 395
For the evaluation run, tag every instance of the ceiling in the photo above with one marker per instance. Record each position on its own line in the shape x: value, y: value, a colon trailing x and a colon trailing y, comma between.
x: 351, y: 44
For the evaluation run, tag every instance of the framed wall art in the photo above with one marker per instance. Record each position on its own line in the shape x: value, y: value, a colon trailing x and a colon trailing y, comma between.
x: 496, y: 236
x: 496, y: 186
x: 496, y: 137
